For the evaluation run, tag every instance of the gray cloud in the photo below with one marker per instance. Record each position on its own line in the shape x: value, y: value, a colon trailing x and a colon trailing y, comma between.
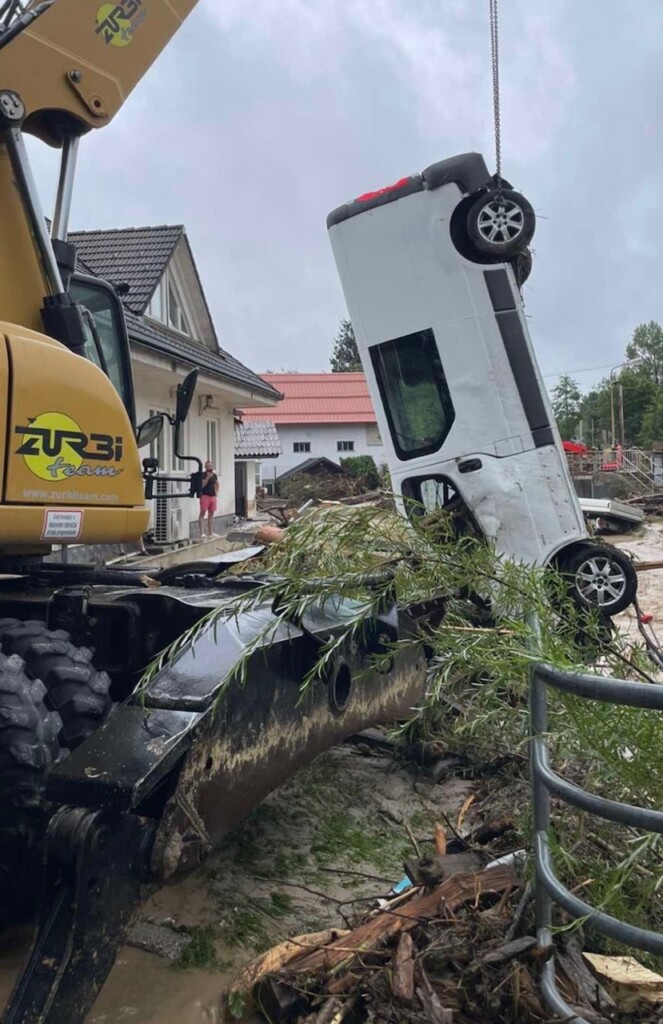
x: 261, y: 117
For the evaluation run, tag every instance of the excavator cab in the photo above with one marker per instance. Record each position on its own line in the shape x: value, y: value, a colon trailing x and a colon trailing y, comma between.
x: 106, y: 341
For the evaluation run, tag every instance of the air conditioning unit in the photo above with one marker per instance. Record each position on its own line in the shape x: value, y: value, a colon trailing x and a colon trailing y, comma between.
x: 162, y: 524
x: 168, y: 512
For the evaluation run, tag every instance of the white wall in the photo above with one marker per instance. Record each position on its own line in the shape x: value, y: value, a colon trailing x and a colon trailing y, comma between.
x: 154, y: 387
x: 323, y: 438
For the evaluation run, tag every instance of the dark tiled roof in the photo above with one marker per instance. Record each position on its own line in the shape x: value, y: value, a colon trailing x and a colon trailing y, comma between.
x: 312, y: 464
x: 135, y: 256
x: 221, y: 364
x: 257, y: 439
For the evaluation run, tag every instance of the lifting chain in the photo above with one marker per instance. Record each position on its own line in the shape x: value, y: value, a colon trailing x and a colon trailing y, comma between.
x: 495, y: 58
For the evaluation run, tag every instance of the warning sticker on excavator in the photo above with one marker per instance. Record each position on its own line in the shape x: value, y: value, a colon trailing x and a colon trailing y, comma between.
x: 62, y: 524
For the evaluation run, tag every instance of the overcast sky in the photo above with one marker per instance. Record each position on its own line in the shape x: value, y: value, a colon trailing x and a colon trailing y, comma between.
x: 262, y: 116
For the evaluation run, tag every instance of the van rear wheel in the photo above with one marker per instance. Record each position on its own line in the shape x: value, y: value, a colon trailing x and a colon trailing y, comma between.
x: 500, y: 223
x: 601, y: 577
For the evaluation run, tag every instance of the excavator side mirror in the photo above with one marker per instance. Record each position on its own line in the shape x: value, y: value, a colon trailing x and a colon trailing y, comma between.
x: 185, y: 392
x: 149, y: 430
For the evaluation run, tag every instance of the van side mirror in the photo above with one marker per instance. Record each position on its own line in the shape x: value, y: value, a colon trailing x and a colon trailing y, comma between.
x: 185, y: 392
x: 149, y: 430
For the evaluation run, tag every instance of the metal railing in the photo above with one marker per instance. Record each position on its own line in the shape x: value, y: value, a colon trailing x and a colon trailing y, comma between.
x: 632, y: 461
x: 547, y: 783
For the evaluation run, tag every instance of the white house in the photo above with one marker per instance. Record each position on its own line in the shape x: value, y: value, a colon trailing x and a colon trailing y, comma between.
x: 170, y: 331
x: 322, y: 414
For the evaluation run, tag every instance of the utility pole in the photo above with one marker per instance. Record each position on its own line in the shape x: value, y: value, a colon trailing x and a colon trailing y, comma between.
x: 611, y: 382
x: 621, y: 414
x: 612, y: 411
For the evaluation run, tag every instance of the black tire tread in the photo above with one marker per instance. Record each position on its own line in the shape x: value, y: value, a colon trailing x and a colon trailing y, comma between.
x: 77, y: 691
x: 28, y: 737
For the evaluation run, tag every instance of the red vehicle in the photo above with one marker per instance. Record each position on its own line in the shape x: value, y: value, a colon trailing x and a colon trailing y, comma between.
x: 574, y: 447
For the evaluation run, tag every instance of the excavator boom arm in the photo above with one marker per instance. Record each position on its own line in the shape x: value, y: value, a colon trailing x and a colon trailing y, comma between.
x: 74, y: 62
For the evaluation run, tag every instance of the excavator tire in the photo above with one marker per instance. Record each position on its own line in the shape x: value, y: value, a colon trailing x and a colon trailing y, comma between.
x: 28, y: 749
x: 74, y: 688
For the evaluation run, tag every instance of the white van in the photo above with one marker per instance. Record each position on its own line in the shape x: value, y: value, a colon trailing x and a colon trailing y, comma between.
x: 431, y: 268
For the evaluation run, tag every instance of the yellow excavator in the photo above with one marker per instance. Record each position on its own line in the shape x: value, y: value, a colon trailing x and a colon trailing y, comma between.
x: 102, y: 789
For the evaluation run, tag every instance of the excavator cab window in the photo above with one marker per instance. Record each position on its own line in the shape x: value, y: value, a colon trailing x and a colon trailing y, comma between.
x: 106, y: 342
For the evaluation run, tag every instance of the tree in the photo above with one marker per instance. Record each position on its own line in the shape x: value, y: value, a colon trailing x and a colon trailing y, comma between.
x: 595, y: 415
x: 566, y: 403
x: 647, y: 347
x: 345, y: 354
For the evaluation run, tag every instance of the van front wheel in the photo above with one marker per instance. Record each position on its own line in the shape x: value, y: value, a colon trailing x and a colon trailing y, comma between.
x: 601, y: 577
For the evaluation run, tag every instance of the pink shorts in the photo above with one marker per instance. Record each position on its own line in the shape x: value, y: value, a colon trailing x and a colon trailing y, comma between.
x: 207, y: 504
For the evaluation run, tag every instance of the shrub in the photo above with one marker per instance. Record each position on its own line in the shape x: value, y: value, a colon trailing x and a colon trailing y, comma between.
x: 362, y: 468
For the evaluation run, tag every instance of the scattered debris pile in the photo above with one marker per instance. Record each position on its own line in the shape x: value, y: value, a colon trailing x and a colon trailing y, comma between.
x: 651, y: 504
x: 453, y: 943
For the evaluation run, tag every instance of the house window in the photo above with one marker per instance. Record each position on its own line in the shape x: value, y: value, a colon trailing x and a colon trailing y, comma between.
x: 176, y: 315
x: 373, y: 435
x: 345, y: 446
x: 414, y: 393
x: 155, y: 308
x: 213, y: 442
x: 167, y: 305
x: 301, y: 446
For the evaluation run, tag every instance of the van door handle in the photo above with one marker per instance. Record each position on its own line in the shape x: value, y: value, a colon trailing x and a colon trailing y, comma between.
x: 470, y: 466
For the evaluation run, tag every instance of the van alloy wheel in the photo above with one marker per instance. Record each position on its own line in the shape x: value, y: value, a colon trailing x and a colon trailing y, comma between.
x: 602, y: 577
x: 600, y: 580
x: 500, y: 223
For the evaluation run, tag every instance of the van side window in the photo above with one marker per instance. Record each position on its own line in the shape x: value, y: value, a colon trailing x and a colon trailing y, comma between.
x: 414, y: 393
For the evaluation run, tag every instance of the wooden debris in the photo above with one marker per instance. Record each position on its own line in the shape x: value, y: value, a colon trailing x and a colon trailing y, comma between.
x: 439, y: 953
x: 440, y: 840
x: 403, y: 976
x: 581, y: 985
x: 268, y: 534
x: 274, y: 960
x: 436, y: 1013
x: 463, y: 811
x: 627, y: 980
x: 445, y: 898
x: 508, y: 951
x: 334, y: 1011
x: 434, y: 869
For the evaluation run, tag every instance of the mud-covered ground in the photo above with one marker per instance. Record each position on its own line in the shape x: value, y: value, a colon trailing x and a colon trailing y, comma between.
x: 330, y: 841
x: 646, y: 545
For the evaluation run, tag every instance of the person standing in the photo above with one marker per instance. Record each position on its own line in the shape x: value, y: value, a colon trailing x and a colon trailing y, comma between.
x: 208, y: 496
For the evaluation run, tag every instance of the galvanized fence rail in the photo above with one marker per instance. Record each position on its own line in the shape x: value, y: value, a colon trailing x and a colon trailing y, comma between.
x: 546, y: 783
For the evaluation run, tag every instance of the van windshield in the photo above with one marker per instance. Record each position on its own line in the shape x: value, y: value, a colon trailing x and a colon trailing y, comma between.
x: 414, y: 393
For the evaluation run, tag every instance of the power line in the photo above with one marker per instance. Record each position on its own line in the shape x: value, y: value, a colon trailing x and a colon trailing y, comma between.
x: 585, y: 369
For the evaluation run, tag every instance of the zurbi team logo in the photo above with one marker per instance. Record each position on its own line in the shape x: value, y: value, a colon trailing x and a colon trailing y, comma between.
x: 117, y: 23
x: 54, y: 447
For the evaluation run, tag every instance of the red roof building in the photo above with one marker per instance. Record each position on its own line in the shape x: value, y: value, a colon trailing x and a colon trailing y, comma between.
x: 318, y: 398
x: 321, y: 415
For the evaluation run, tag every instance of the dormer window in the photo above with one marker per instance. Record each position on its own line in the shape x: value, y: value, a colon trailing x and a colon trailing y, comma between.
x: 167, y: 305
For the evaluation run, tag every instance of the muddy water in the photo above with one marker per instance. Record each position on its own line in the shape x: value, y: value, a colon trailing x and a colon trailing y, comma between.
x: 325, y: 843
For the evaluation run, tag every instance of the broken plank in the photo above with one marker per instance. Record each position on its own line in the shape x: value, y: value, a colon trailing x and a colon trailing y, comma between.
x: 403, y: 976
x: 508, y: 951
x: 274, y: 960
